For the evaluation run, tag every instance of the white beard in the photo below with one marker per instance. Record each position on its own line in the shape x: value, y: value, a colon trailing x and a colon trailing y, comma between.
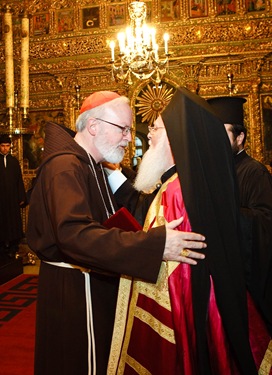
x: 112, y: 154
x: 154, y: 163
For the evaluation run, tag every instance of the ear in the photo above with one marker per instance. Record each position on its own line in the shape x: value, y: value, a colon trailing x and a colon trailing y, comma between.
x: 91, y: 126
x: 240, y: 138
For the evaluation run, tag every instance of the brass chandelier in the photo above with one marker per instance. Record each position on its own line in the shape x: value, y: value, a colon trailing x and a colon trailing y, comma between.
x: 138, y: 50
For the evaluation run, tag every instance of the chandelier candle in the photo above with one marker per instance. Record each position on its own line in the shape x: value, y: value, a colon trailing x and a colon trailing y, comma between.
x: 138, y: 50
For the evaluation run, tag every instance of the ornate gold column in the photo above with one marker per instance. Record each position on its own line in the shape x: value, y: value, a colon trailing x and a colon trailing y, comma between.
x: 256, y: 143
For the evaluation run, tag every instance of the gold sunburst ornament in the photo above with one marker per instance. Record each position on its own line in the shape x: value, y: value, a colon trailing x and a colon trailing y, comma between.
x: 152, y: 100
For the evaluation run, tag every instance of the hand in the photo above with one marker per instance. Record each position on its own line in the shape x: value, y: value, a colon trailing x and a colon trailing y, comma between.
x: 111, y: 166
x: 22, y: 204
x: 176, y: 241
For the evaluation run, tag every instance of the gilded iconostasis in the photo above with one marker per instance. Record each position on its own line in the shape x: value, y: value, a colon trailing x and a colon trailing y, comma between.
x: 215, y: 48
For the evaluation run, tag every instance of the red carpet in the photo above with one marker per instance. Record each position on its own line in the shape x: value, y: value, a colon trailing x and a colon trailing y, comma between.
x: 17, y: 325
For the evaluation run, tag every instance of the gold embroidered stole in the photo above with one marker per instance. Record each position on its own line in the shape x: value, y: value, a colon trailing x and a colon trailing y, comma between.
x: 127, y: 307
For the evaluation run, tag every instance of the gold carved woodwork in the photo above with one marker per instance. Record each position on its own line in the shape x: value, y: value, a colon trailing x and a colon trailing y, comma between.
x: 152, y: 100
x: 204, y: 50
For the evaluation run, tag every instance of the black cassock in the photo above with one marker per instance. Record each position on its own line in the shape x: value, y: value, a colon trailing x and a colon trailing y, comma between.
x: 255, y: 185
x: 12, y: 192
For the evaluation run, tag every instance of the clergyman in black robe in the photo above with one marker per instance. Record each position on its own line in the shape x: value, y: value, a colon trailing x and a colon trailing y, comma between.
x: 255, y: 186
x: 12, y: 198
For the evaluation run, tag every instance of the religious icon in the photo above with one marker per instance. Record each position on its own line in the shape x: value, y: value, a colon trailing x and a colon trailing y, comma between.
x: 33, y: 143
x: 41, y: 24
x: 90, y: 18
x: 148, y: 11
x: 267, y: 122
x: 225, y: 7
x: 65, y: 20
x: 169, y: 10
x: 255, y: 5
x: 117, y: 14
x: 198, y: 8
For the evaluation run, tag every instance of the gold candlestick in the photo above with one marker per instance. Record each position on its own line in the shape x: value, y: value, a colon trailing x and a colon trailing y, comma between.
x: 24, y: 100
x: 9, y: 66
x: 77, y: 88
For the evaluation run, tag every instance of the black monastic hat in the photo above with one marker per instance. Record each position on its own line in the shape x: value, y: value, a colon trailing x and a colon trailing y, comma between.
x: 5, y: 138
x: 229, y: 109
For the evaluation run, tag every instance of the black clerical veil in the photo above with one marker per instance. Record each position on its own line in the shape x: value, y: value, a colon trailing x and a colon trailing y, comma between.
x: 206, y: 170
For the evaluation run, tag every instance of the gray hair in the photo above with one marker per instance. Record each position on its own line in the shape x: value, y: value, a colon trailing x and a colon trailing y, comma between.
x: 98, y: 112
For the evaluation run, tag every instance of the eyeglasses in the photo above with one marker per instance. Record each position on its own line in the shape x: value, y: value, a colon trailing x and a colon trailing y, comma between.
x: 153, y: 129
x: 125, y: 129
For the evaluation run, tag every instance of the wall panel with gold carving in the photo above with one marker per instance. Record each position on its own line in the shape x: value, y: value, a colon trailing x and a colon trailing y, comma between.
x: 216, y: 48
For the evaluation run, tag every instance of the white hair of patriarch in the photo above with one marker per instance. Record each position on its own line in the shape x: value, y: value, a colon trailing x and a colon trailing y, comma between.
x: 99, y: 112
